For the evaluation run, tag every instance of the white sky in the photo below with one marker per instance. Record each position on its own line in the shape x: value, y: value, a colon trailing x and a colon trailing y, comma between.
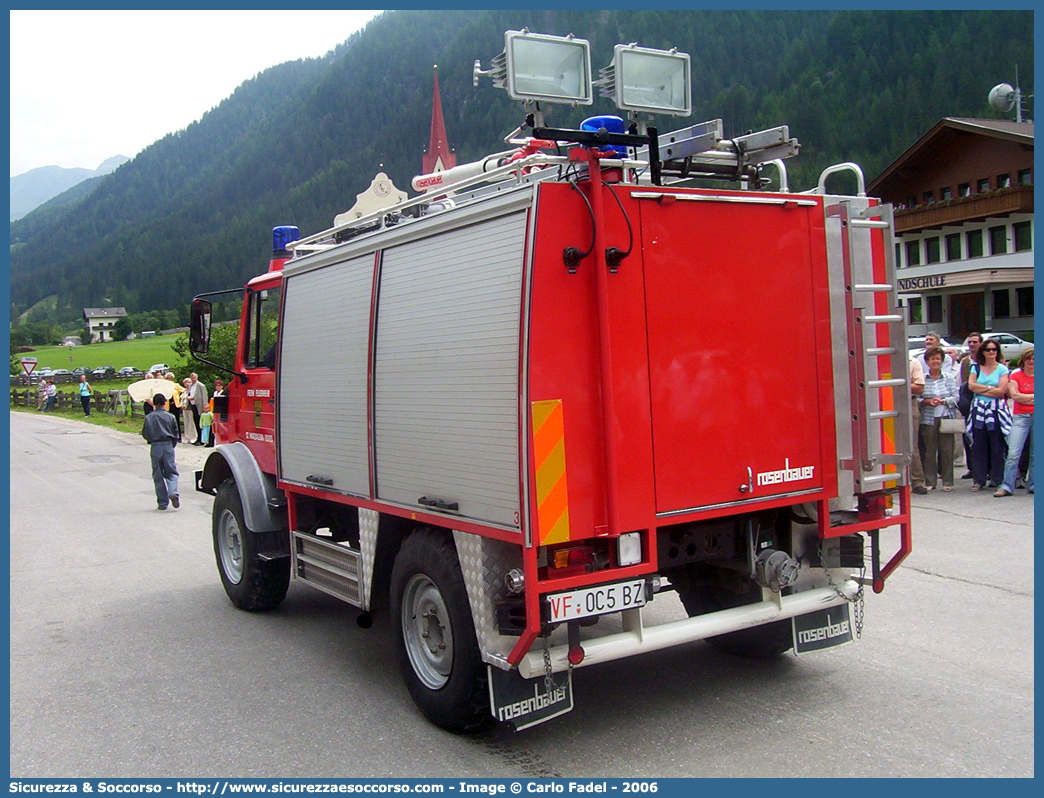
x: 88, y: 85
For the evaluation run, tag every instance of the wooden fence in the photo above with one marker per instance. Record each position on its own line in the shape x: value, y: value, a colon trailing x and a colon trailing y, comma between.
x: 19, y: 380
x: 114, y: 402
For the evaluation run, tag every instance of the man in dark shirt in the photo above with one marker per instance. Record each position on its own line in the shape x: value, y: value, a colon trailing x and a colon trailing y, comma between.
x: 161, y: 431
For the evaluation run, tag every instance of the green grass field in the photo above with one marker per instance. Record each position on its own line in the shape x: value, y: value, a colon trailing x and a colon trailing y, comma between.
x: 139, y: 353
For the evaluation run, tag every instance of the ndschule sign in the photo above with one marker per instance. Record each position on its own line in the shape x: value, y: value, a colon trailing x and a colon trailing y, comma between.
x: 920, y: 283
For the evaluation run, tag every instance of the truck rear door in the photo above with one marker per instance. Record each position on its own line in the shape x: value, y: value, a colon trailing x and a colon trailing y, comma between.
x: 736, y: 317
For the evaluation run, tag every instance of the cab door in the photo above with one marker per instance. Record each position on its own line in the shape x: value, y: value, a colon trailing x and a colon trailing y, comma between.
x: 256, y: 417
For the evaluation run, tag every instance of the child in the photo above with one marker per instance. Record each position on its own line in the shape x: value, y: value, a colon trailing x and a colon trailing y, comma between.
x: 205, y: 421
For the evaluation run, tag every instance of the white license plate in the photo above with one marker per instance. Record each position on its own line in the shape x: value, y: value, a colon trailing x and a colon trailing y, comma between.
x: 596, y: 600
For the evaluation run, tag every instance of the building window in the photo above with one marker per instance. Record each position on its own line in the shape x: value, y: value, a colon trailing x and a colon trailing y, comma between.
x: 911, y: 201
x: 1001, y: 307
x: 953, y: 247
x: 898, y: 255
x: 1004, y: 181
x: 945, y: 193
x: 913, y: 253
x: 932, y: 250
x: 928, y: 196
x: 1023, y: 235
x: 1024, y: 300
x: 974, y: 238
x: 914, y: 304
x: 983, y: 185
x: 934, y: 309
x: 998, y: 241
x: 1025, y: 177
x: 964, y: 190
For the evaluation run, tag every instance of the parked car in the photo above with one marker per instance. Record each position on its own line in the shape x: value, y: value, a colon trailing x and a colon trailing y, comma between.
x: 81, y: 370
x: 104, y: 371
x: 57, y: 372
x: 159, y: 367
x: 1011, y: 346
x: 915, y: 345
x: 127, y: 371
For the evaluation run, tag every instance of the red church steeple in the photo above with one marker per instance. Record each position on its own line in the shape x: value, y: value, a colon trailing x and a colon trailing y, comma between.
x: 438, y: 157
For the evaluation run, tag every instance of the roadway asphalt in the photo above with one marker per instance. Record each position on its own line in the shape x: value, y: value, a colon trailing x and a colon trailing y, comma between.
x: 128, y: 660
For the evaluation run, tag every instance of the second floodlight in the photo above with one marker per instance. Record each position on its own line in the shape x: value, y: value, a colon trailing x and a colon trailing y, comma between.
x: 643, y: 79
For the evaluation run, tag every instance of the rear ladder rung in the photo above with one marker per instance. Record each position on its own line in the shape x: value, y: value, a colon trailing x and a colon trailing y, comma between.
x: 877, y: 479
x: 879, y: 414
x: 892, y: 383
x: 873, y: 287
x: 882, y: 458
x: 869, y: 223
x: 889, y: 319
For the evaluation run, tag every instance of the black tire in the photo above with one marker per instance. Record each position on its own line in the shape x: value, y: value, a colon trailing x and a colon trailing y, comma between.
x: 250, y: 582
x: 704, y: 590
x: 434, y: 634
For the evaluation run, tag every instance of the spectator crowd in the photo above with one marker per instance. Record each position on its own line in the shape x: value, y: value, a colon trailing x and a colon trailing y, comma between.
x: 983, y: 401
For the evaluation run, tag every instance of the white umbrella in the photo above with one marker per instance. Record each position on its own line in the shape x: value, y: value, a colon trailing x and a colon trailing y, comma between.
x: 145, y: 389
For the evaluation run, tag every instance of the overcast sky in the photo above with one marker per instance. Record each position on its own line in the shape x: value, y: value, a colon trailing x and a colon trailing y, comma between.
x: 88, y: 85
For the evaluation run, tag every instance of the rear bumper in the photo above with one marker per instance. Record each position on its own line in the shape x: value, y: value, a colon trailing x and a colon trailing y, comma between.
x: 637, y: 639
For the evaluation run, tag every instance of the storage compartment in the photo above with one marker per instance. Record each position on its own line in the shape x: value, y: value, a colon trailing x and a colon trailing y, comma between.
x: 446, y: 371
x: 323, y: 435
x: 733, y: 349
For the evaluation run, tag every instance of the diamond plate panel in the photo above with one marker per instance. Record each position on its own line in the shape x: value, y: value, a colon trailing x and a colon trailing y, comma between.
x: 484, y: 562
x: 369, y: 521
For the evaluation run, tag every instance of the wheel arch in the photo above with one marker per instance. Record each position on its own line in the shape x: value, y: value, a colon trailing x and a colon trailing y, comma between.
x: 264, y: 505
x: 392, y: 531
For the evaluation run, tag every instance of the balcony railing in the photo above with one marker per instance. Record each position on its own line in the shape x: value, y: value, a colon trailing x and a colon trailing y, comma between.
x: 1002, y: 202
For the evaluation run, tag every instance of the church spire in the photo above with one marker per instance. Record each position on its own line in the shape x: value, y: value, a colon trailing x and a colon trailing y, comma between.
x: 438, y: 157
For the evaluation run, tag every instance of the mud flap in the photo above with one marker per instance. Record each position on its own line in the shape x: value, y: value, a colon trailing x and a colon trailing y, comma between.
x: 823, y: 629
x: 527, y: 702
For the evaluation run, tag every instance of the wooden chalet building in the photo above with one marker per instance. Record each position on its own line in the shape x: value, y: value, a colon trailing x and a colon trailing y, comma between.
x: 963, y: 199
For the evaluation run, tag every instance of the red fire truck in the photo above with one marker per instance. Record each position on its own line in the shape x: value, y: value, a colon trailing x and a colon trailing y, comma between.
x: 519, y: 411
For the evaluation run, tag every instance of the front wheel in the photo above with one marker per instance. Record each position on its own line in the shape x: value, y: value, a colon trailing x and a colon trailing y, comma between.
x: 435, y: 635
x: 250, y: 582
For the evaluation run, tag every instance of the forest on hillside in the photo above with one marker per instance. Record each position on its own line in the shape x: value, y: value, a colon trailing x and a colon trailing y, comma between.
x: 294, y: 145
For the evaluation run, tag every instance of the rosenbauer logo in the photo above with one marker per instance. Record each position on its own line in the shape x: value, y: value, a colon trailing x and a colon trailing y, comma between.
x: 786, y: 474
x: 537, y: 702
x: 828, y: 632
x: 428, y: 182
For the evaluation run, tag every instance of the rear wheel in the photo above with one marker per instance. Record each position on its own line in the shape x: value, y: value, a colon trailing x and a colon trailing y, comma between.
x: 705, y: 589
x: 435, y: 635
x: 250, y: 582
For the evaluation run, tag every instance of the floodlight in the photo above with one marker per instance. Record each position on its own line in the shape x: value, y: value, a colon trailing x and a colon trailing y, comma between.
x: 540, y: 68
x: 642, y: 79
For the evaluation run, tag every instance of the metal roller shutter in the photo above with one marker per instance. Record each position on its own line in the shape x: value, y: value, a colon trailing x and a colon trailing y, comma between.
x: 446, y: 392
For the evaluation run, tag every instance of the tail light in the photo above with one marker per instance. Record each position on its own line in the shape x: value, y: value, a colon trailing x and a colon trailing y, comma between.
x: 577, y: 558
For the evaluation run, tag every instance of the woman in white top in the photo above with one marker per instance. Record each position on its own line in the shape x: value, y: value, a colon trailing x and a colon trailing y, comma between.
x: 938, y: 401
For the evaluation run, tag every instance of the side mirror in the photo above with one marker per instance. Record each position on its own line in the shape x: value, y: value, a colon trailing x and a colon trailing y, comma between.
x: 199, y: 327
x: 221, y: 407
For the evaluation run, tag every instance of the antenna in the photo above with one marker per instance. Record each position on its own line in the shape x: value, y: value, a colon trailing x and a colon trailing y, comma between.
x: 1003, y: 97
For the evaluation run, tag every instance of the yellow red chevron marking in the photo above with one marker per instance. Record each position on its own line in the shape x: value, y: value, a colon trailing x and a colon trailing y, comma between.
x: 888, y: 426
x: 549, y: 456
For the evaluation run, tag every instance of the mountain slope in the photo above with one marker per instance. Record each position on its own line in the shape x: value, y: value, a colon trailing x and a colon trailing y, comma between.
x: 35, y: 187
x: 295, y: 144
